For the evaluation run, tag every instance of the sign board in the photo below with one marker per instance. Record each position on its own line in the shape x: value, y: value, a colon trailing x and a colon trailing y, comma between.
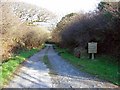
x: 92, y: 47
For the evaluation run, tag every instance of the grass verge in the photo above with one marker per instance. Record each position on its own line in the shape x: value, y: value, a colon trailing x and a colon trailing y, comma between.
x: 9, y: 67
x: 48, y: 64
x: 101, y: 66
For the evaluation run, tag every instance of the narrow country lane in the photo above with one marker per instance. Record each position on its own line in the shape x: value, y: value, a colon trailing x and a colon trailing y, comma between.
x: 35, y: 74
x: 69, y: 77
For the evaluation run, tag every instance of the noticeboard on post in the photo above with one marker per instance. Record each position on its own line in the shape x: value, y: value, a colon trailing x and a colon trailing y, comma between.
x: 92, y: 47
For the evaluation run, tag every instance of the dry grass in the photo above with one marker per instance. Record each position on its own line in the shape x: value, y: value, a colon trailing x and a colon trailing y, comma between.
x: 16, y: 34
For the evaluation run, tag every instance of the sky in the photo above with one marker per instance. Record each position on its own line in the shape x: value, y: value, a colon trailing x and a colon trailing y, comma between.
x: 63, y: 7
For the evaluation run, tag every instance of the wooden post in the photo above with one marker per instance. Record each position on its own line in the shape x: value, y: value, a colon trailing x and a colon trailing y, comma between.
x: 93, y: 56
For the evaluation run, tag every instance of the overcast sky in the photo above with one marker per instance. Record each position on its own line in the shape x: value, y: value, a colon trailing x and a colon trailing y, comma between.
x: 63, y: 7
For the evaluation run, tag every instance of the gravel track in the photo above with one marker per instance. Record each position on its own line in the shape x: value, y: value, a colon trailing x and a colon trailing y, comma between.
x: 35, y: 74
x: 70, y: 77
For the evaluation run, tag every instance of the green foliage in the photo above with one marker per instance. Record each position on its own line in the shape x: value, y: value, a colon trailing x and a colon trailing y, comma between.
x: 101, y: 5
x: 101, y: 67
x: 102, y: 27
x: 108, y: 15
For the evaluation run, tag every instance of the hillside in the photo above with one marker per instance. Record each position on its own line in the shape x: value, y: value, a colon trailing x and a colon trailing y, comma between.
x: 19, y: 29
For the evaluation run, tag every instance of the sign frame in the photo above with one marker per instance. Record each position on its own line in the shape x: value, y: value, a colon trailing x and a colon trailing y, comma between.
x: 92, y: 48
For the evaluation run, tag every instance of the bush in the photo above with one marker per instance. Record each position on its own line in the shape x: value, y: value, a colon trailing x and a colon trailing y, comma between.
x: 18, y: 35
x: 103, y: 28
